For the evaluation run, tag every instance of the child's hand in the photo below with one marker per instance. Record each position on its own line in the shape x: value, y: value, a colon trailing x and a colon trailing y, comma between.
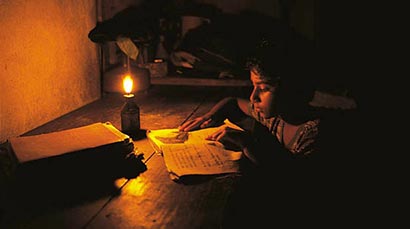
x: 232, y: 139
x: 199, y: 123
x: 193, y: 124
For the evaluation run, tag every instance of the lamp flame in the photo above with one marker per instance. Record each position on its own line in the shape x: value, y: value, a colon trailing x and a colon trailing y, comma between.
x: 127, y: 84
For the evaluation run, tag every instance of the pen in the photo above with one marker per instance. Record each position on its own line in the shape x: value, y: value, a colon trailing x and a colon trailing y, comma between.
x: 193, y: 112
x: 189, y: 116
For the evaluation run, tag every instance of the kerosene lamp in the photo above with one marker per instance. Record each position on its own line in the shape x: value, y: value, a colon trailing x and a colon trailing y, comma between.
x: 130, y: 112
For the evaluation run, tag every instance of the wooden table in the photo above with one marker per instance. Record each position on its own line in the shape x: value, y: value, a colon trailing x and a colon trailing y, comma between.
x: 150, y: 200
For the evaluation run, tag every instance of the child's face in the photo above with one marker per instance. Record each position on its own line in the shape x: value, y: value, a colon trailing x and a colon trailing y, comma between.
x: 262, y: 96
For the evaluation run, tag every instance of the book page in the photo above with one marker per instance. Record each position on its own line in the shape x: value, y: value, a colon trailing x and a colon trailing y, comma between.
x: 189, y: 153
x: 35, y: 147
x: 201, y: 158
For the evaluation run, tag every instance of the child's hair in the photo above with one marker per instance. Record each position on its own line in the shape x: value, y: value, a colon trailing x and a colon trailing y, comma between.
x: 286, y: 62
x: 267, y: 60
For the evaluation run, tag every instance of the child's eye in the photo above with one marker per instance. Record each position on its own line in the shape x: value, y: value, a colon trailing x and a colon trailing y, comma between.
x: 265, y: 89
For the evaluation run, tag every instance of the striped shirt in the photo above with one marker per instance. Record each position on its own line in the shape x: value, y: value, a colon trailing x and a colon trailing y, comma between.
x: 304, y: 138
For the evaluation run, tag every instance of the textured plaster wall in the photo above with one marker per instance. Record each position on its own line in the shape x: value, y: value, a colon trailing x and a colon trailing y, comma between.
x: 48, y: 66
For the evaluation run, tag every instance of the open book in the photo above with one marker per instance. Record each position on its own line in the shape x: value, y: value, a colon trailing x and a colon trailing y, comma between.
x: 188, y: 153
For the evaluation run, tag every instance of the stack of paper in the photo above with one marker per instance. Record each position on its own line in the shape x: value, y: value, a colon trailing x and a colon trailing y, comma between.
x: 188, y: 153
x: 82, y: 149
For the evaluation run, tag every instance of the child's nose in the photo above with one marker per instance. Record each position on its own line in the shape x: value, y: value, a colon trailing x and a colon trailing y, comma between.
x: 254, y: 96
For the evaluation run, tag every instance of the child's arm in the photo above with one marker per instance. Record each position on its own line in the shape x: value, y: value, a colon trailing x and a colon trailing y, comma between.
x: 230, y: 108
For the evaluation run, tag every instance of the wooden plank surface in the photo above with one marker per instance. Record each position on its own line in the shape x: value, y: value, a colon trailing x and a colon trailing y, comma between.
x: 150, y: 200
x: 153, y: 200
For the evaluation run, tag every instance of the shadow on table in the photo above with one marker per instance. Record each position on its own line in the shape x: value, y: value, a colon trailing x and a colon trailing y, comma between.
x: 49, y: 185
x: 198, y: 179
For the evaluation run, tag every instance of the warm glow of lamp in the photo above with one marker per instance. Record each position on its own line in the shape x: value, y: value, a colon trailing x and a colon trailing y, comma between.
x: 127, y: 84
x: 130, y: 112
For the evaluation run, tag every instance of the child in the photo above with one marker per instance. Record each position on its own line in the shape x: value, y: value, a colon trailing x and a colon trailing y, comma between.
x: 278, y: 105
